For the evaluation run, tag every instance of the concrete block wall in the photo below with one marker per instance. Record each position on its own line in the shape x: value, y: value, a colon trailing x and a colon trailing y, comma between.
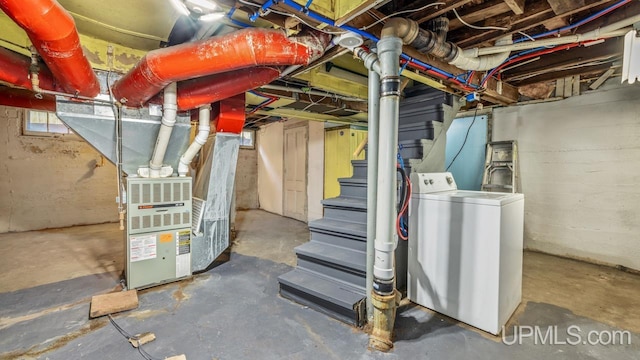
x: 50, y: 182
x: 580, y: 173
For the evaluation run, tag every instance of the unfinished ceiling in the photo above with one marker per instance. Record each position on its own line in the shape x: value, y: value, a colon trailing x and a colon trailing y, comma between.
x: 116, y: 34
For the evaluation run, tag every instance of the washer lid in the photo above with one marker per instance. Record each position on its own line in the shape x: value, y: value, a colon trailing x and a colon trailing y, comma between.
x: 474, y: 197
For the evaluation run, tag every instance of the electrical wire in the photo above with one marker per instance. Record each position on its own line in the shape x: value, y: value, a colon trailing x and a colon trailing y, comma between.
x: 307, y: 23
x: 128, y: 336
x: 475, y: 113
x: 401, y: 12
x: 478, y: 27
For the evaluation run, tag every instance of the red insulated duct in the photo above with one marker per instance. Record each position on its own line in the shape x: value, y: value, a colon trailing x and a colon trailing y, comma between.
x: 208, y: 89
x: 53, y: 33
x: 234, y: 51
x: 14, y: 70
x: 26, y: 99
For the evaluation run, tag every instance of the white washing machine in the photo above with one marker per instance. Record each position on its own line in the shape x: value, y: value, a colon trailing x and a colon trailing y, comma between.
x: 465, y: 251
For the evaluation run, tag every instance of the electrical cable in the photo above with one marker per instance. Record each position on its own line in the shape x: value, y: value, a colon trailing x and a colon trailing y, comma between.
x: 475, y: 113
x: 478, y: 27
x: 128, y: 336
x: 401, y: 12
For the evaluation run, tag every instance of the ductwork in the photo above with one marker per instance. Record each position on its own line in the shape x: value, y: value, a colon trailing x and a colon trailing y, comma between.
x: 204, y: 128
x: 26, y: 99
x: 234, y: 51
x: 209, y: 89
x: 434, y: 43
x: 53, y: 33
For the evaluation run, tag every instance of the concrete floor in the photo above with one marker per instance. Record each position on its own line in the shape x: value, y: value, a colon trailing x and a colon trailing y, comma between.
x: 234, y: 312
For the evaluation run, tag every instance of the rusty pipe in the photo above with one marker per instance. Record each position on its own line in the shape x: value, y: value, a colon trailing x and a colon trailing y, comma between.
x: 53, y: 33
x: 234, y: 51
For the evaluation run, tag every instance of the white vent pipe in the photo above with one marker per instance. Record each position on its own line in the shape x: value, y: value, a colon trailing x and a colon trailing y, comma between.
x: 169, y: 113
x: 201, y: 138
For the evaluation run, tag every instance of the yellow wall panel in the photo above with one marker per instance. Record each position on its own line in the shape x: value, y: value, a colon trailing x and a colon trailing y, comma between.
x: 339, y: 146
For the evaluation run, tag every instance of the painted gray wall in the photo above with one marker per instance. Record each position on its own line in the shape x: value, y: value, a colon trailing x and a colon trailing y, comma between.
x: 49, y: 182
x: 580, y: 173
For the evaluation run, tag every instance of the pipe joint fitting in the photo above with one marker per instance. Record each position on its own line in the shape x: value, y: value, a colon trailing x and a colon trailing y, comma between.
x: 390, y: 86
x: 383, y: 287
x: 406, y: 29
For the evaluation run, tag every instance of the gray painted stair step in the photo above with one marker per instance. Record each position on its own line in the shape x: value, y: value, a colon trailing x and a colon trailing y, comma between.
x: 353, y: 187
x: 348, y: 258
x: 335, y: 272
x: 359, y: 168
x: 346, y: 202
x: 351, y: 229
x: 333, y: 298
x: 340, y: 240
x: 341, y: 213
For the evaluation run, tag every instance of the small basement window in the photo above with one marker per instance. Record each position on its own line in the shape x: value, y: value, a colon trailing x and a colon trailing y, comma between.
x: 247, y: 139
x: 44, y: 123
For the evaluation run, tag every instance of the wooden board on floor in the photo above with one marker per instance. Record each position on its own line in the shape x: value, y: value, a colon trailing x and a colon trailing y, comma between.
x: 113, y: 302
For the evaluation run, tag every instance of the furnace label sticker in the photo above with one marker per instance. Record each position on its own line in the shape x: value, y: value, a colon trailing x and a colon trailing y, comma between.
x: 142, y: 247
x: 183, y: 253
x: 183, y: 242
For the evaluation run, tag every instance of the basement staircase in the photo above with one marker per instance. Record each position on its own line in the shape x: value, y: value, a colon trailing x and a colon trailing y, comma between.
x: 331, y: 271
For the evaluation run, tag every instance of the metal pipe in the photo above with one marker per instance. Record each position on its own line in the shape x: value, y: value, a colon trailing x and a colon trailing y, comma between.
x: 169, y: 113
x: 434, y: 43
x: 53, y: 33
x: 570, y: 39
x: 383, y: 295
x: 203, y: 134
x: 372, y: 183
x: 237, y: 50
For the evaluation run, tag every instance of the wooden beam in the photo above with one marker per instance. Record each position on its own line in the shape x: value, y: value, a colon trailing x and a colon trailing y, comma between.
x: 535, y: 15
x: 561, y: 59
x: 500, y: 92
x: 477, y: 13
x: 360, y: 106
x: 329, y: 55
x: 563, y: 6
x: 430, y: 13
x: 517, y: 6
x: 565, y: 73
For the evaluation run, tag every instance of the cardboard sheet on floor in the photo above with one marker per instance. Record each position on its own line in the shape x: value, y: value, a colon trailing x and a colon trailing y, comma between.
x: 114, y: 302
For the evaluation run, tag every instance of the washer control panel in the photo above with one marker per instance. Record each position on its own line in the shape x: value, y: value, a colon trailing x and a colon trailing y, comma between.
x: 432, y: 182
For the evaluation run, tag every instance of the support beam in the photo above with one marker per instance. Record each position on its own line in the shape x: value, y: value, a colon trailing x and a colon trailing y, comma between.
x: 517, y: 6
x: 536, y: 14
x: 474, y: 14
x: 563, y: 6
x: 430, y: 13
x: 563, y: 74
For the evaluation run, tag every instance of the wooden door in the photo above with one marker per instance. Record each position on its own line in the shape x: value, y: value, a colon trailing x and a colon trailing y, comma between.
x: 295, y: 173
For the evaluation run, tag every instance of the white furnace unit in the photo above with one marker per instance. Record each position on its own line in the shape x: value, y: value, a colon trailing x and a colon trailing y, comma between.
x: 465, y: 251
x: 158, y: 238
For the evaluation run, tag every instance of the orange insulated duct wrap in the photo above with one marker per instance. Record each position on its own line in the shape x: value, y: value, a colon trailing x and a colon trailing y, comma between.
x: 53, y: 33
x: 234, y: 51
